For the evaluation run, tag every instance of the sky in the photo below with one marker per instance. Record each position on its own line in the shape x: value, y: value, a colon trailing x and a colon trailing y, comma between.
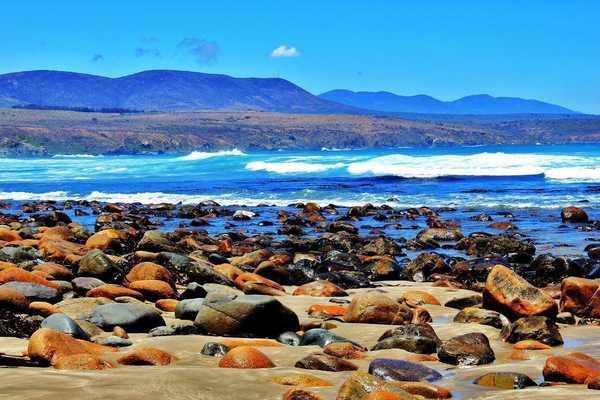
x: 543, y: 49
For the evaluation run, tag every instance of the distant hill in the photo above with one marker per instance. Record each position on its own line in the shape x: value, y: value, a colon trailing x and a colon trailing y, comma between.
x: 422, y: 104
x: 160, y: 90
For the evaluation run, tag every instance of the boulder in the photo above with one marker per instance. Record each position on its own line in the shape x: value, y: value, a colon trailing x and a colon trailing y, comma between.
x: 483, y: 317
x: 425, y: 265
x: 360, y: 384
x: 113, y: 291
x: 156, y: 241
x: 245, y: 357
x: 377, y: 308
x: 539, y: 328
x: 153, y: 289
x: 146, y: 356
x: 467, y: 349
x: 580, y: 296
x: 400, y: 370
x: 33, y: 291
x: 325, y: 362
x: 62, y: 323
x: 96, y: 264
x: 439, y: 234
x: 203, y: 272
x: 188, y: 309
x: 573, y: 214
x: 514, y: 297
x: 247, y: 315
x: 81, y: 307
x: 415, y: 338
x: 505, y: 380
x: 571, y: 368
x: 320, y: 288
x: 131, y: 317
x: 149, y: 271
x: 13, y: 300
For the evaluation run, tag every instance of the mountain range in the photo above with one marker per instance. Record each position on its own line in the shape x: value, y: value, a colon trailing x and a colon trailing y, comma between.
x: 167, y: 90
x: 422, y: 104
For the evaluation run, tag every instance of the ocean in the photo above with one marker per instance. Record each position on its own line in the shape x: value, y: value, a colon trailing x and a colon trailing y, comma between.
x: 543, y: 176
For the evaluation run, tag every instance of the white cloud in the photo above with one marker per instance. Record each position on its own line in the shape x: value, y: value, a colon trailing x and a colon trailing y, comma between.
x: 285, y: 51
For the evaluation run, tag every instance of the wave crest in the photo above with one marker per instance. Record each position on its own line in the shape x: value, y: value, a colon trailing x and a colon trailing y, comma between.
x: 202, y: 155
x: 291, y: 167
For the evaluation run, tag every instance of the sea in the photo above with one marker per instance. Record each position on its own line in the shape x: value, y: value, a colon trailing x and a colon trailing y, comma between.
x: 531, y: 182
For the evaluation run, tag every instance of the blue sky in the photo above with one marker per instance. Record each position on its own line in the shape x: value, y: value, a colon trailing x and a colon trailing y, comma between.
x: 544, y: 49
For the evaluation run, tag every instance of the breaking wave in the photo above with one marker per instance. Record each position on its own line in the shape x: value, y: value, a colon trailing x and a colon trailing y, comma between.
x: 291, y: 167
x: 201, y: 155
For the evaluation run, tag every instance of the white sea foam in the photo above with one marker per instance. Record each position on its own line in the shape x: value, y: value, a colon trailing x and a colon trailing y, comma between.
x: 291, y: 167
x: 201, y: 155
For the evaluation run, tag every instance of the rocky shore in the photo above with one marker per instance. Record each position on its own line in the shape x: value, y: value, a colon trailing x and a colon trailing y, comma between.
x: 312, y: 303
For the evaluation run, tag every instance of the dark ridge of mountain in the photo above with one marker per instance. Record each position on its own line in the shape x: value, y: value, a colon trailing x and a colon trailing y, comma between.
x: 161, y: 90
x: 477, y: 104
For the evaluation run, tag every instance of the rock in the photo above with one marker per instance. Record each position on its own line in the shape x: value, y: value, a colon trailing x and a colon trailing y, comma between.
x: 113, y: 341
x: 322, y: 337
x: 565, y: 318
x: 483, y: 245
x: 467, y: 349
x: 320, y: 288
x: 594, y: 383
x: 113, y: 291
x: 344, y: 350
x: 529, y: 344
x: 43, y: 308
x: 49, y: 346
x: 245, y: 357
x: 156, y: 241
x: 426, y: 390
x: 505, y: 380
x: 149, y: 271
x: 302, y: 380
x: 573, y: 214
x: 214, y: 349
x: 464, y: 301
x: 537, y: 328
x: 300, y: 394
x: 8, y: 235
x: 439, y: 234
x: 289, y: 338
x: 188, y: 309
x: 96, y: 264
x: 153, y: 289
x: 425, y: 265
x: 400, y: 370
x: 83, y: 284
x: 181, y: 328
x: 381, y: 246
x: 13, y: 300
x: 131, y: 317
x: 146, y: 356
x: 251, y: 283
x: 108, y: 239
x: 120, y: 332
x: 376, y: 308
x: 82, y: 361
x: 168, y: 305
x: 415, y: 298
x: 251, y: 259
x: 53, y: 271
x: 33, y: 291
x: 62, y: 323
x: 384, y: 268
x: 415, y: 338
x: 61, y: 250
x: 324, y: 362
x: 483, y: 317
x: 81, y: 307
x: 514, y: 297
x: 193, y: 290
x: 201, y: 272
x: 360, y: 384
x: 248, y: 315
x: 326, y: 311
x: 580, y: 296
x: 20, y: 275
x: 571, y: 368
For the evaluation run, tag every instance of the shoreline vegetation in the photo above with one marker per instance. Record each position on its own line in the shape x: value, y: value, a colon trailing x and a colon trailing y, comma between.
x: 341, y: 313
x: 26, y: 133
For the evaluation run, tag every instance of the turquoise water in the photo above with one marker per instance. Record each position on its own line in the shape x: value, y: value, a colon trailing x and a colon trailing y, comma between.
x: 486, y: 176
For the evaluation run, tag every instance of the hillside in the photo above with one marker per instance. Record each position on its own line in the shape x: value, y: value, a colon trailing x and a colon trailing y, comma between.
x: 476, y: 104
x: 41, y: 133
x: 161, y: 90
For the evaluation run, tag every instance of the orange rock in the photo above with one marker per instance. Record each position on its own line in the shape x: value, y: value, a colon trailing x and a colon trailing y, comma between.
x: 61, y: 250
x: 54, y: 271
x: 576, y: 296
x: 377, y: 308
x: 113, y: 291
x: 383, y: 395
x: 20, y: 275
x: 47, y: 345
x: 571, y: 368
x: 421, y: 357
x: 300, y: 394
x: 321, y: 288
x: 344, y: 350
x: 502, y: 225
x: 146, y: 356
x: 120, y: 332
x: 245, y: 357
x: 13, y: 300
x: 425, y: 389
x: 55, y: 232
x: 531, y: 345
x: 8, y: 235
x: 168, y: 305
x: 418, y: 297
x: 6, y: 265
x: 247, y: 278
x: 326, y: 310
x: 280, y: 259
x: 511, y: 295
x: 228, y: 270
x: 153, y: 290
x: 233, y: 343
x: 106, y: 239
x: 146, y: 271
x: 304, y: 380
x: 82, y: 362
x: 42, y: 308
x: 421, y: 316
